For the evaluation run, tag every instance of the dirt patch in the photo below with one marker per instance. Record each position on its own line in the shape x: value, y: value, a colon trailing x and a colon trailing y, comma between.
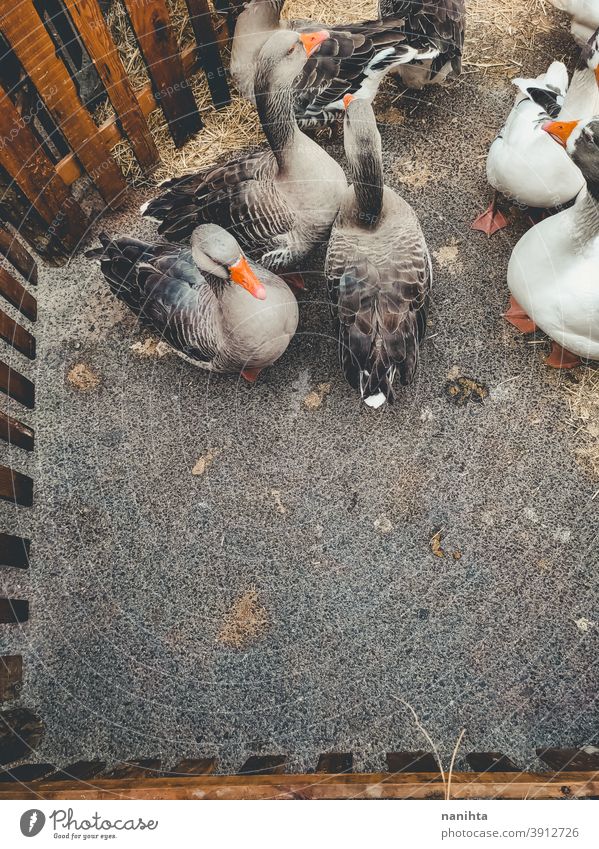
x: 83, y: 378
x: 205, y: 461
x: 448, y: 258
x: 245, y: 622
x: 584, y: 408
x: 314, y: 399
x: 461, y: 390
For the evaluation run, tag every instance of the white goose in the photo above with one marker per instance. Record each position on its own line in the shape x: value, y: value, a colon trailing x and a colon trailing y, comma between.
x: 523, y: 164
x: 552, y: 273
x: 584, y: 14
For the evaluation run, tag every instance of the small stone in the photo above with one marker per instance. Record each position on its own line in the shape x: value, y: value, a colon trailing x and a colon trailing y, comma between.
x: 279, y: 506
x: 314, y: 399
x: 583, y: 624
x: 205, y: 461
x: 435, y: 544
x: 383, y: 525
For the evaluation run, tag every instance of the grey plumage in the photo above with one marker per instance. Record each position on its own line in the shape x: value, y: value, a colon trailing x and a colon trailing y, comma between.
x: 378, y: 271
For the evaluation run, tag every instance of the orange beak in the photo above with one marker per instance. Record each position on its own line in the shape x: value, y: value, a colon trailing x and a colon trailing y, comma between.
x: 242, y: 274
x: 347, y: 99
x: 597, y: 74
x: 559, y: 130
x: 313, y: 40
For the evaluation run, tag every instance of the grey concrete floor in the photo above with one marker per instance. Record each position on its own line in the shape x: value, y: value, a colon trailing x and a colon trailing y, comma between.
x: 325, y: 510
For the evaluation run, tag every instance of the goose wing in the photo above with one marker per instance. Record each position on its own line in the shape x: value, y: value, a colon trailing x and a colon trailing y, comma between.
x: 379, y: 307
x: 442, y: 21
x: 163, y: 286
x: 241, y: 195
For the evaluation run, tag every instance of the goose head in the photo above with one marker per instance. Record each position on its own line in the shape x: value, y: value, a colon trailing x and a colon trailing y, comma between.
x: 282, y: 59
x: 589, y: 55
x: 216, y: 252
x: 361, y: 138
x: 581, y: 141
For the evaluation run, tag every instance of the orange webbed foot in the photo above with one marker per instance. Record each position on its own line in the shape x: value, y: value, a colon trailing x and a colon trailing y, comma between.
x: 251, y: 374
x: 491, y: 220
x: 561, y: 357
x: 518, y: 318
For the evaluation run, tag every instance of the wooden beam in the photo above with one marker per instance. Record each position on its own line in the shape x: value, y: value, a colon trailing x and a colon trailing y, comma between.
x: 335, y: 762
x: 264, y: 765
x: 17, y: 295
x: 98, y: 41
x: 36, y: 176
x: 151, y: 24
x: 131, y: 769
x: 14, y: 551
x: 210, y: 58
x: 191, y: 766
x: 13, y: 611
x: 11, y: 676
x: 16, y: 386
x: 464, y: 785
x: 17, y: 336
x: 15, y: 432
x: 418, y: 761
x: 17, y: 255
x: 25, y: 31
x: 491, y: 762
x: 15, y: 487
x: 572, y: 760
x: 69, y: 168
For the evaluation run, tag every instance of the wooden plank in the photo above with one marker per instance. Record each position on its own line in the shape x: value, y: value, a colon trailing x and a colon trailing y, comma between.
x: 572, y: 760
x: 15, y: 432
x: 31, y: 42
x: 36, y: 177
x: 14, y: 551
x: 11, y: 676
x: 491, y: 762
x: 17, y: 295
x: 190, y: 766
x: 209, y: 53
x: 27, y: 772
x: 69, y: 168
x: 17, y: 336
x: 335, y: 762
x: 264, y: 765
x: 15, y: 487
x: 418, y: 761
x: 131, y: 769
x: 21, y: 732
x: 16, y: 386
x: 98, y: 41
x: 156, y: 38
x: 18, y: 256
x: 464, y: 785
x: 13, y: 611
x: 79, y: 771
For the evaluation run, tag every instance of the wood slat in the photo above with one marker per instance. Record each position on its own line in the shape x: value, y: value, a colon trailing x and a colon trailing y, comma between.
x: 14, y: 551
x: 571, y: 760
x: 15, y: 432
x: 131, y: 769
x: 21, y: 732
x: 70, y: 169
x: 11, y: 676
x: 79, y: 771
x: 18, y: 256
x: 491, y: 762
x: 16, y: 386
x: 464, y: 785
x: 15, y: 487
x: 27, y: 772
x: 31, y: 42
x: 13, y: 611
x: 210, y: 58
x: 36, y: 177
x: 156, y: 38
x: 17, y: 336
x: 190, y: 766
x: 98, y: 41
x: 418, y: 761
x: 335, y: 762
x: 264, y: 765
x: 17, y: 295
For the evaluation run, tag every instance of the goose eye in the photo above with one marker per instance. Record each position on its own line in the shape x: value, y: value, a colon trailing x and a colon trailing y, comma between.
x: 291, y: 50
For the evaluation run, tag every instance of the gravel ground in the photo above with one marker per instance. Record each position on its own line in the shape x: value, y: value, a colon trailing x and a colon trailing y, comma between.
x: 225, y: 569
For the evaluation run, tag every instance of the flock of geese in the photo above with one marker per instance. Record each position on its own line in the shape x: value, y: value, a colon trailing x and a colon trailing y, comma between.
x: 220, y: 290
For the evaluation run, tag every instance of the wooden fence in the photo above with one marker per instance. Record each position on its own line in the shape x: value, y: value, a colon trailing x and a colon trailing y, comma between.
x: 48, y: 136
